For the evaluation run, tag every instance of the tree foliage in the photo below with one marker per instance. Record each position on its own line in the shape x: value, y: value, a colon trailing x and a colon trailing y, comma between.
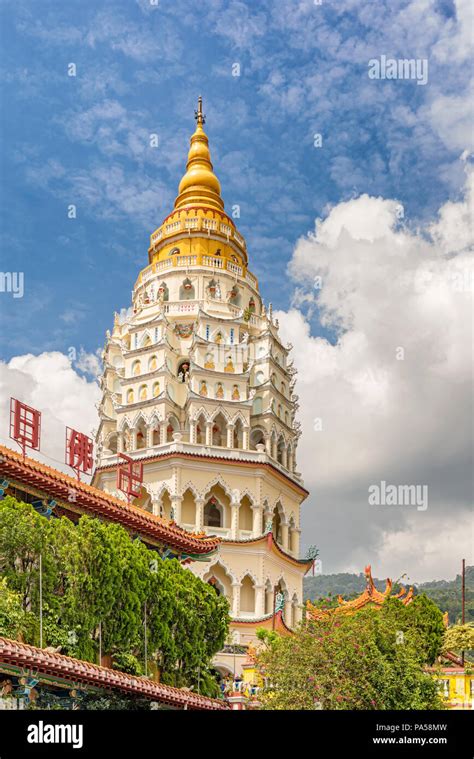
x: 459, y: 638
x: 373, y: 659
x: 98, y: 581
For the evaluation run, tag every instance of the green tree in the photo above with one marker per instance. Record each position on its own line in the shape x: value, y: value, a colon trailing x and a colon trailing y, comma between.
x: 459, y: 638
x: 96, y: 577
x: 348, y: 662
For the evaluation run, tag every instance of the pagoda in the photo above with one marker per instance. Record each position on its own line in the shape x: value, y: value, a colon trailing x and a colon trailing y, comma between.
x: 198, y: 386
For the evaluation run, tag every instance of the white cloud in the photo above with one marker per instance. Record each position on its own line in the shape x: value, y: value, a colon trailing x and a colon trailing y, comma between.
x: 394, y: 393
x: 50, y: 383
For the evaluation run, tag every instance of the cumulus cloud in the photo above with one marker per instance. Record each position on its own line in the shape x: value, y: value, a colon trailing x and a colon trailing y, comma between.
x: 50, y: 383
x: 390, y: 398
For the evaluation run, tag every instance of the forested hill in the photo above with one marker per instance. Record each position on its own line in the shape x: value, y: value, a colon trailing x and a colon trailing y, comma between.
x: 445, y: 593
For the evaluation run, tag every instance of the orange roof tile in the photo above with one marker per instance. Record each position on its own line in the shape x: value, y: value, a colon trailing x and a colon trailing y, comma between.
x: 90, y: 500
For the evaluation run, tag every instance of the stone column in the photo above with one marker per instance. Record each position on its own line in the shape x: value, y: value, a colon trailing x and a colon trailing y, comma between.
x: 199, y: 513
x: 268, y: 445
x: 284, y: 536
x: 149, y: 435
x: 267, y: 517
x: 284, y: 458
x: 245, y: 438
x: 234, y: 522
x: 257, y: 521
x: 120, y: 442
x: 287, y: 611
x: 134, y: 441
x: 163, y: 427
x: 209, y: 433
x: 274, y: 448
x: 155, y: 507
x: 259, y: 600
x: 295, y: 541
x: 192, y: 430
x: 235, y: 610
x: 176, y: 501
x: 230, y: 436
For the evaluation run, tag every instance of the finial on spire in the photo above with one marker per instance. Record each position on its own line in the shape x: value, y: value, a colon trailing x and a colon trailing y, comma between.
x: 198, y: 115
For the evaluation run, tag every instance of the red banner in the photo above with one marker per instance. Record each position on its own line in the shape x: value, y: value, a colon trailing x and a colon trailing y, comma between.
x: 79, y: 451
x: 130, y: 476
x: 25, y: 425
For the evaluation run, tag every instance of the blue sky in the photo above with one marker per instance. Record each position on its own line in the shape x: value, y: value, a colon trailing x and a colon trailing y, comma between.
x: 84, y: 140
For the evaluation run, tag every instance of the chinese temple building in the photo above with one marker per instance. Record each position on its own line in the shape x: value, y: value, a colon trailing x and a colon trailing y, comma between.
x: 199, y: 388
x: 370, y: 596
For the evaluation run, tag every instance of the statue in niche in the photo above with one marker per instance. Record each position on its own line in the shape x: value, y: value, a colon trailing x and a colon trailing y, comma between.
x: 219, y: 338
x: 163, y: 292
x: 183, y: 371
x: 211, y: 288
x: 232, y: 294
x: 219, y: 390
x: 209, y: 363
x: 218, y: 293
x: 229, y: 367
x: 235, y: 393
x: 203, y: 388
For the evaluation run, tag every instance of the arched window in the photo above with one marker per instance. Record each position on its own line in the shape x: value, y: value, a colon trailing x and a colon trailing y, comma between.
x: 208, y: 331
x: 219, y: 428
x: 201, y: 430
x: 130, y: 396
x: 156, y: 389
x: 173, y: 426
x: 247, y: 595
x: 256, y: 438
x: 259, y: 378
x: 152, y: 363
x: 143, y: 392
x: 186, y: 291
x: 136, y: 368
x: 212, y: 514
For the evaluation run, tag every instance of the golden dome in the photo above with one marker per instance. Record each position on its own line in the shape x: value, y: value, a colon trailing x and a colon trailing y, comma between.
x: 199, y: 186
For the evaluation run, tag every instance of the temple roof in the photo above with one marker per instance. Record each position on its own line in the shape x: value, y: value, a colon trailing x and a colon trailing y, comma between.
x: 153, y: 530
x: 20, y: 656
x: 369, y: 597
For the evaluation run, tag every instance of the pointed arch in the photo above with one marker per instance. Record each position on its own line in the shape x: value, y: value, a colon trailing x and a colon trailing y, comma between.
x: 247, y: 594
x: 219, y: 430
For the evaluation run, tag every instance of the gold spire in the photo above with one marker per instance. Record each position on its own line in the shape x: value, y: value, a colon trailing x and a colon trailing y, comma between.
x: 199, y: 186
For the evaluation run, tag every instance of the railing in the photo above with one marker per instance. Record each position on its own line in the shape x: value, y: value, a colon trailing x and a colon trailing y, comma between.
x: 221, y: 532
x: 234, y: 268
x: 181, y: 307
x: 191, y: 223
x: 251, y: 279
x: 216, y: 263
x: 186, y: 261
x: 196, y: 223
x: 166, y: 264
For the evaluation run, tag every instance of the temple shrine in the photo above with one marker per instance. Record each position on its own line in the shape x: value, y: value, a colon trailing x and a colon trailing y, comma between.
x: 198, y: 387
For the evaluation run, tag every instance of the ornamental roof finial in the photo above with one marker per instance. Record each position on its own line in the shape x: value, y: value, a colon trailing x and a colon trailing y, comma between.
x: 198, y: 115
